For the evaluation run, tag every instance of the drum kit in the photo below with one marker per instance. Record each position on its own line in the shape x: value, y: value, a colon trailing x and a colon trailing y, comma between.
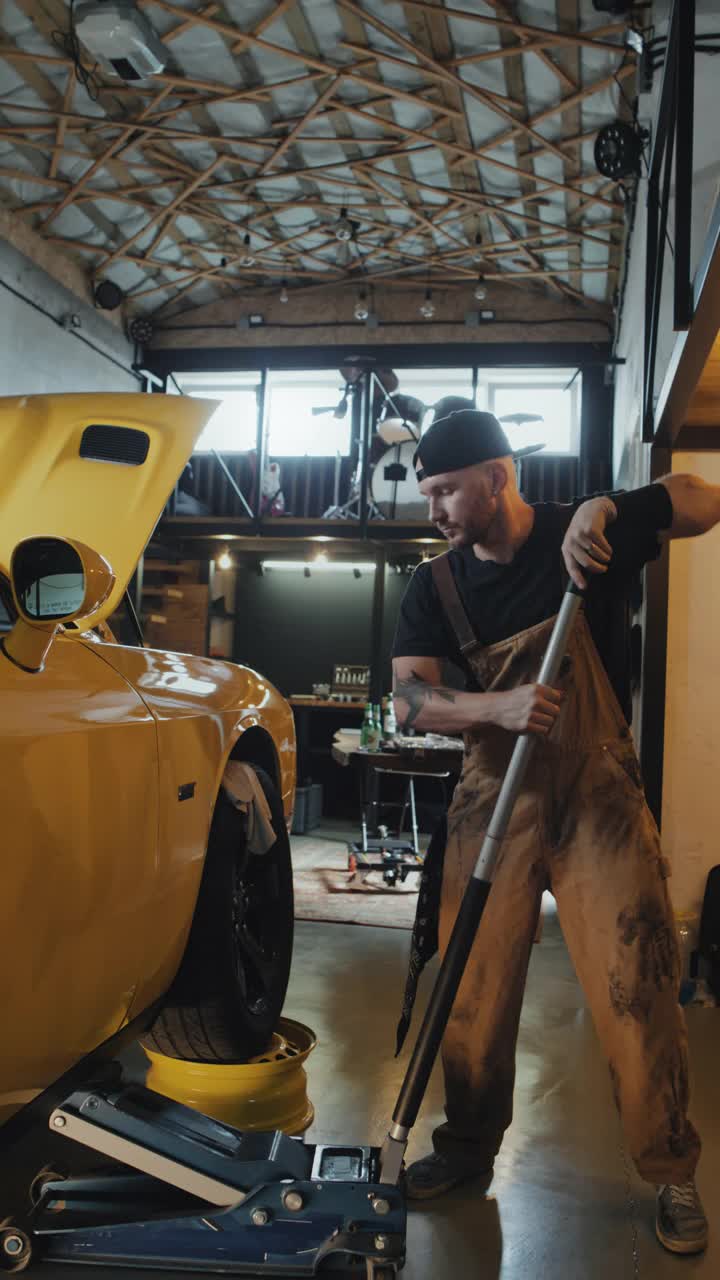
x: 392, y: 492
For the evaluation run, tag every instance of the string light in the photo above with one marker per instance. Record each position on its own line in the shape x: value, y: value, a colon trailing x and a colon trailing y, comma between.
x: 247, y: 259
x: 427, y: 307
x: 362, y: 310
x: 478, y: 254
x: 480, y: 290
x: 283, y: 291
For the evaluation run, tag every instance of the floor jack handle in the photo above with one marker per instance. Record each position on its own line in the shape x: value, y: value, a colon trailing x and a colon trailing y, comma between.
x: 469, y: 916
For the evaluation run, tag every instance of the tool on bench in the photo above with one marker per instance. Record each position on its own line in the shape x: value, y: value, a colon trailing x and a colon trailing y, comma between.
x: 190, y: 1194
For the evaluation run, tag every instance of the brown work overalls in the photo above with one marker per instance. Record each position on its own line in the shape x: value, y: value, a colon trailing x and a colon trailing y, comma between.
x: 581, y: 827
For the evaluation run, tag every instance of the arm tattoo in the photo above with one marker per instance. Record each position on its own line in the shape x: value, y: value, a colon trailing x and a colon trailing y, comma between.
x: 416, y: 692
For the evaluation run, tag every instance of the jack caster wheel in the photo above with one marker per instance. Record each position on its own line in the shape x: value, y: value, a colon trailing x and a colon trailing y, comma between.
x: 15, y: 1249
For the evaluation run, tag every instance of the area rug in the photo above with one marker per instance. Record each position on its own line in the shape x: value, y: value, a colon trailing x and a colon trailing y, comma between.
x: 325, y: 890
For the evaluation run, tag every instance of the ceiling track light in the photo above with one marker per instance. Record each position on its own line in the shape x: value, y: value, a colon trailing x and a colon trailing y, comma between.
x: 248, y: 258
x: 344, y: 228
x: 427, y: 306
x: 362, y: 310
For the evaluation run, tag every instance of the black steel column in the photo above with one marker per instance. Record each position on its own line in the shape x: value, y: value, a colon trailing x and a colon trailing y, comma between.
x: 685, y: 89
x: 260, y: 447
x: 365, y: 386
x: 376, y: 635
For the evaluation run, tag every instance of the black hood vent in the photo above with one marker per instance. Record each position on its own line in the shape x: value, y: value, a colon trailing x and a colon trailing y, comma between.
x: 115, y: 444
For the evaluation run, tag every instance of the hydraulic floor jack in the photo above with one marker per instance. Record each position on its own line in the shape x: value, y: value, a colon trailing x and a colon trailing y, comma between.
x: 186, y: 1193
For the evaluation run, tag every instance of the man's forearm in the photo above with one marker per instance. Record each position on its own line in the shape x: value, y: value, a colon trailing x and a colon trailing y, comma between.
x: 437, y: 708
x: 696, y: 505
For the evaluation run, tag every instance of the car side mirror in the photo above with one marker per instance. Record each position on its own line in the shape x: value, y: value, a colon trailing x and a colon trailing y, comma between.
x: 54, y: 581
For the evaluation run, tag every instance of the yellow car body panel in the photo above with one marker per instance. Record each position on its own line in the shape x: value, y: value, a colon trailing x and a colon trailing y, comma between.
x: 47, y: 487
x: 101, y: 857
x: 202, y: 707
x: 79, y: 862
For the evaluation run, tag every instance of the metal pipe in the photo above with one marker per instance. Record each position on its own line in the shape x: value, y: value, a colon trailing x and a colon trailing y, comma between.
x: 470, y: 913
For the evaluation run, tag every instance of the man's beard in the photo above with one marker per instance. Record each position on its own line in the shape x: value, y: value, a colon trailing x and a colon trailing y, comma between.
x: 466, y: 535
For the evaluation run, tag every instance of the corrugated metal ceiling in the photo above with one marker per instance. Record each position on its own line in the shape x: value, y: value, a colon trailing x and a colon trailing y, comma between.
x: 458, y: 138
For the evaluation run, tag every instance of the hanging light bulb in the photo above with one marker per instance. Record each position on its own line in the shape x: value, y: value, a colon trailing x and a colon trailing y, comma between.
x: 478, y: 254
x: 321, y: 557
x: 343, y: 253
x: 247, y: 259
x: 283, y: 291
x: 480, y: 290
x: 343, y: 227
x: 427, y: 307
x: 225, y: 560
x: 362, y: 310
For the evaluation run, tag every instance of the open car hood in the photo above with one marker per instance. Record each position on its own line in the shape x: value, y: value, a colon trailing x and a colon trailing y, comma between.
x: 98, y: 468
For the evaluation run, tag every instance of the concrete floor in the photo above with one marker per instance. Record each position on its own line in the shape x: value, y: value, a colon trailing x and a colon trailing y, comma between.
x: 559, y: 1206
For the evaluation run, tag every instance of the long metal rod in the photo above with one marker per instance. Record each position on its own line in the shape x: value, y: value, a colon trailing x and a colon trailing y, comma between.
x: 233, y: 482
x: 469, y: 916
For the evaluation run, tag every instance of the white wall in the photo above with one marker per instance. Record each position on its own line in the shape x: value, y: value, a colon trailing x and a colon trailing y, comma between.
x: 691, y: 793
x: 37, y: 354
x: 631, y: 459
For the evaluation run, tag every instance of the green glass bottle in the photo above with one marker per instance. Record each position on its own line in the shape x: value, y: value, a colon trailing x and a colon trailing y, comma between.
x: 367, y: 728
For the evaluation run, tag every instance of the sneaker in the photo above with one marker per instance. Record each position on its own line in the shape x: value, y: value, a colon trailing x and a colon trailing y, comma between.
x: 680, y: 1222
x: 435, y: 1174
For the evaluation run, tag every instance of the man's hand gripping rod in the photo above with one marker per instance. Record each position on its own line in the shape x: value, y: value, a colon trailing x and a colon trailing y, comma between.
x: 469, y: 915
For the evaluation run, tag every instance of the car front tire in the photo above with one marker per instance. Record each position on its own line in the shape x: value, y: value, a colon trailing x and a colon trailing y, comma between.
x: 228, y: 995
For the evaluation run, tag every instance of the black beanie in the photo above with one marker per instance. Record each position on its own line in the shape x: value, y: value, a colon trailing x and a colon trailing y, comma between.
x: 462, y: 439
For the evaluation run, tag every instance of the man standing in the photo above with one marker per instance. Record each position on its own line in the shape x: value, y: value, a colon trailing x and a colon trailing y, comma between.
x: 581, y: 825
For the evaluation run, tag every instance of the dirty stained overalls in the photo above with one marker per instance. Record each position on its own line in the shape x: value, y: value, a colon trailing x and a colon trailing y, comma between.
x: 582, y: 828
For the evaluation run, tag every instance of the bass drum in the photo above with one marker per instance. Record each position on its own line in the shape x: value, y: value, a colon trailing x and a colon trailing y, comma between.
x: 393, y: 486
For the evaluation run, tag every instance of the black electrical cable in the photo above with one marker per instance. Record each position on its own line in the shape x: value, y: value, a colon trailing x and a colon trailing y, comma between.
x: 49, y: 316
x: 68, y: 43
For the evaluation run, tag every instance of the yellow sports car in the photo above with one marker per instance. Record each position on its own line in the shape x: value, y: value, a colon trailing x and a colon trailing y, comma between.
x: 129, y: 892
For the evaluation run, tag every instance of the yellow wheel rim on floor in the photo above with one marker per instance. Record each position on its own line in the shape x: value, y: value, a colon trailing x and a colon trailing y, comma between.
x: 268, y: 1092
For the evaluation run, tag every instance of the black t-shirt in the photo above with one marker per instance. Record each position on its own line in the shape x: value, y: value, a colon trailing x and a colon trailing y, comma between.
x: 503, y: 599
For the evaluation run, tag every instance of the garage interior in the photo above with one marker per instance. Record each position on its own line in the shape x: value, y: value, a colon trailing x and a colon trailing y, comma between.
x: 327, y: 216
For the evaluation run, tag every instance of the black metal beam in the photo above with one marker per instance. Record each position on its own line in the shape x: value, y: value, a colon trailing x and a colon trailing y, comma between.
x: 376, y: 632
x: 166, y: 360
x: 685, y: 77
x: 232, y: 528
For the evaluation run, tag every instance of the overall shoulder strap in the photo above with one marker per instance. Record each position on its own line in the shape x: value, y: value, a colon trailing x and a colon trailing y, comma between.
x: 452, y: 604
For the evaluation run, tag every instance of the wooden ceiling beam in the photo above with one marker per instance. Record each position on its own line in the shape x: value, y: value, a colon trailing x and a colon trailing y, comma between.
x: 293, y: 135
x: 558, y: 108
x: 62, y: 124
x: 450, y: 76
x: 524, y: 29
x: 464, y: 152
x: 145, y: 127
x: 280, y: 7
x: 175, y: 203
x: 379, y: 56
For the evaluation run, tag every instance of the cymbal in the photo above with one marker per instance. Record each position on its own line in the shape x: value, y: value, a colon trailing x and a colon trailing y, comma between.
x: 520, y: 418
x: 355, y: 366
